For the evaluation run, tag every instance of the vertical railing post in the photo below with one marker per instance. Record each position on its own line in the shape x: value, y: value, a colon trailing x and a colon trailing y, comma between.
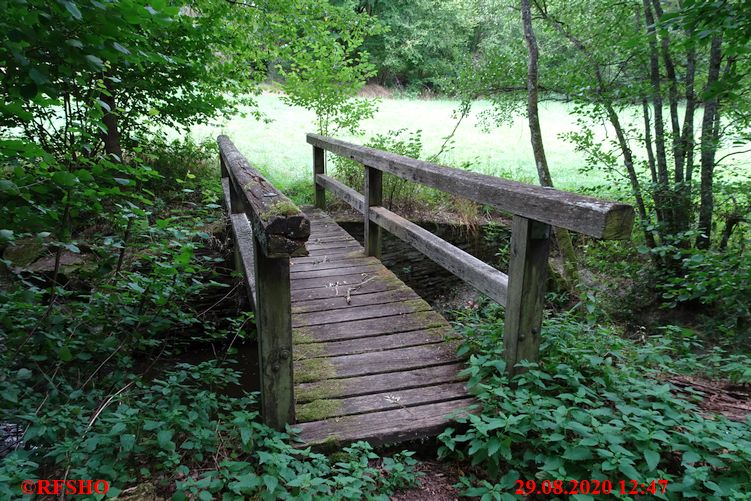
x: 319, y: 167
x: 273, y: 317
x: 528, y: 269
x: 373, y: 197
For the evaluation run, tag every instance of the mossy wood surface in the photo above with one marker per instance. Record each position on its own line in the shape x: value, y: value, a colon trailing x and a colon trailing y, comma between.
x: 365, y: 345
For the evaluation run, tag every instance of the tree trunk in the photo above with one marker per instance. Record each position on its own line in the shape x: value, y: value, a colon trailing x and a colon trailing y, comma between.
x: 563, y: 237
x: 111, y: 136
x: 709, y: 133
x: 661, y: 196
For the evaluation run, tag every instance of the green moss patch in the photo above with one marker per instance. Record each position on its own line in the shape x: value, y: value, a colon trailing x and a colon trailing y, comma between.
x: 314, y: 369
x: 317, y: 410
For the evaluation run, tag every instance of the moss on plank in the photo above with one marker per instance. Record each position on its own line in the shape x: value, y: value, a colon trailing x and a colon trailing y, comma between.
x: 281, y: 208
x: 314, y: 369
x: 308, y: 350
x: 319, y: 390
x: 317, y: 410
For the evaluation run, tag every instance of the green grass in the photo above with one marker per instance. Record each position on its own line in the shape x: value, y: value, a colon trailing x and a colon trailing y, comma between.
x: 279, y: 149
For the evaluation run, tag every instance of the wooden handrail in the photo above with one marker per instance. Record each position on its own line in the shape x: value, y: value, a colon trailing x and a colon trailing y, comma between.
x: 268, y: 229
x: 279, y: 225
x: 535, y: 209
x: 579, y: 213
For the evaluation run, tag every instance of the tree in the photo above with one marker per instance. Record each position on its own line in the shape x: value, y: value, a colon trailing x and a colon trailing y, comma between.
x: 667, y: 57
x: 538, y: 148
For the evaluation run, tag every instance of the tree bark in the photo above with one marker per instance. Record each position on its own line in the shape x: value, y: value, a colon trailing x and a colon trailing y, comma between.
x: 563, y: 237
x: 709, y: 132
x: 662, y: 198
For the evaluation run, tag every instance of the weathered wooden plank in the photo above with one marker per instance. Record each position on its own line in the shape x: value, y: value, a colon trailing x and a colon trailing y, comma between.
x: 373, y: 197
x: 359, y: 312
x: 278, y: 224
x: 583, y: 214
x: 343, y: 270
x: 273, y: 319
x: 344, y: 192
x: 244, y: 258
x: 371, y: 327
x: 316, y: 239
x: 319, y: 167
x: 342, y: 251
x: 335, y: 279
x: 384, y: 427
x: 336, y: 303
x: 399, y: 399
x: 326, y: 292
x: 480, y: 275
x: 378, y: 383
x: 528, y: 269
x: 351, y: 244
x: 374, y: 343
x: 379, y: 362
x: 321, y: 264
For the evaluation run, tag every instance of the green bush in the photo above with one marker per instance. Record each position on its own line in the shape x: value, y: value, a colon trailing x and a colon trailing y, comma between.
x: 185, y: 166
x: 589, y: 410
x: 396, y: 191
x: 720, y: 281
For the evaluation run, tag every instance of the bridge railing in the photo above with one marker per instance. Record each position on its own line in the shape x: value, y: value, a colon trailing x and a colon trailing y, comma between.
x: 535, y: 209
x: 268, y: 229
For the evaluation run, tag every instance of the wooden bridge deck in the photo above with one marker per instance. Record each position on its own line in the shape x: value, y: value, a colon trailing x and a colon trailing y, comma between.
x: 373, y: 361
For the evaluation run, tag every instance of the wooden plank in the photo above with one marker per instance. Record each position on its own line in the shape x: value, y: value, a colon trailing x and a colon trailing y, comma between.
x: 273, y: 319
x: 336, y: 303
x: 278, y: 224
x: 373, y: 197
x: 344, y: 192
x: 340, y: 252
x: 377, y: 362
x: 344, y: 270
x: 399, y: 399
x: 528, y: 269
x: 321, y: 264
x: 378, y: 383
x: 316, y: 239
x: 375, y: 343
x: 583, y: 214
x: 384, y: 427
x: 319, y: 167
x: 244, y: 258
x: 480, y: 275
x: 349, y: 243
x: 326, y: 292
x: 359, y: 312
x: 333, y: 280
x: 371, y: 327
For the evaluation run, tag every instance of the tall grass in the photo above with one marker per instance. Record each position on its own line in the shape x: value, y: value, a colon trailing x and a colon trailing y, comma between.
x: 279, y: 150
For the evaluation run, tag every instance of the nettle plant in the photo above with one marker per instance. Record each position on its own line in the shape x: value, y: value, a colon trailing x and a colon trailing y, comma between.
x: 586, y: 412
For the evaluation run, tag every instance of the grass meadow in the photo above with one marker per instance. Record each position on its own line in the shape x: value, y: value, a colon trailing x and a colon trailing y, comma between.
x: 278, y: 148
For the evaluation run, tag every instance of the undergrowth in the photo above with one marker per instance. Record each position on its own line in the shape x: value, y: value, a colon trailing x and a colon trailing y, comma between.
x: 594, y: 407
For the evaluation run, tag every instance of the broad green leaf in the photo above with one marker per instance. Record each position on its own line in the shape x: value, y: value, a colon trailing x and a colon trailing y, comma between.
x: 652, y: 458
x: 73, y: 9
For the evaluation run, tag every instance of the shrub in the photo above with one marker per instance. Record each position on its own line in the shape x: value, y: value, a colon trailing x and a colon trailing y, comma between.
x: 586, y: 411
x: 396, y: 191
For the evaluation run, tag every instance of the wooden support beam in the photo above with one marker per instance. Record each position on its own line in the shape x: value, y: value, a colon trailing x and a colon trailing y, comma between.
x: 373, y: 197
x: 528, y: 269
x: 353, y: 198
x: 478, y: 274
x: 319, y: 167
x: 274, y: 322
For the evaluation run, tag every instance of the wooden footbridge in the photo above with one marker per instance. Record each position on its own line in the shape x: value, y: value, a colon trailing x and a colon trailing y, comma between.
x: 347, y: 351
